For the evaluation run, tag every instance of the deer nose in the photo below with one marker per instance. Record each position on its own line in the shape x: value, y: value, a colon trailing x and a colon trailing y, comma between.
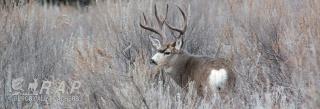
x: 153, y: 62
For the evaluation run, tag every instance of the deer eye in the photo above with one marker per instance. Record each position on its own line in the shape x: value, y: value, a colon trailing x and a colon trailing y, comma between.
x: 166, y: 53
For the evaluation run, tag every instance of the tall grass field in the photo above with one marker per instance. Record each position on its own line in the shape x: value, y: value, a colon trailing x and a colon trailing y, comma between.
x: 97, y: 56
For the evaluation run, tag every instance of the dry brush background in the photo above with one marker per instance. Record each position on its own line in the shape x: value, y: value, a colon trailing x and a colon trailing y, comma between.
x: 275, y: 45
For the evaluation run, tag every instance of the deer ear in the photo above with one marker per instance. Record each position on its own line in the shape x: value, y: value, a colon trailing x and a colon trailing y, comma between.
x: 155, y: 42
x: 178, y: 44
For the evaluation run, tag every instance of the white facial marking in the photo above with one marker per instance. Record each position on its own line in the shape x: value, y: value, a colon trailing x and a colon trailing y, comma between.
x: 217, y: 77
x: 157, y: 57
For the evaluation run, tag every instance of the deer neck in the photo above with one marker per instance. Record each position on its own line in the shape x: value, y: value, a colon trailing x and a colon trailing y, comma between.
x: 177, y: 70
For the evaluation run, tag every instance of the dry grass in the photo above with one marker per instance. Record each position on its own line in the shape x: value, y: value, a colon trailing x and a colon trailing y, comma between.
x: 274, y: 43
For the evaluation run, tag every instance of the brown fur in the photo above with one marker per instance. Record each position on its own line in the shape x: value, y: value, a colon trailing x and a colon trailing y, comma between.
x: 189, y: 67
x: 182, y: 66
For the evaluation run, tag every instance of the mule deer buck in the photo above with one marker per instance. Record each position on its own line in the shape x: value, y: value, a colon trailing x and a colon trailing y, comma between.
x: 210, y: 75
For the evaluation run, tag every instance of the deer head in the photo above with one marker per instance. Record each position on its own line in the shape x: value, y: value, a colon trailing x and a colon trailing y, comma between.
x: 168, y: 52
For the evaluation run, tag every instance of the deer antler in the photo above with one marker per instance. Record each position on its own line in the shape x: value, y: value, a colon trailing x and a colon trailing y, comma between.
x: 183, y: 30
x: 160, y: 21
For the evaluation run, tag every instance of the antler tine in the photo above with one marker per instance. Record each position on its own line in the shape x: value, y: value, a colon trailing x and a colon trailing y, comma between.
x: 148, y: 27
x: 145, y: 18
x: 183, y: 30
x: 159, y: 20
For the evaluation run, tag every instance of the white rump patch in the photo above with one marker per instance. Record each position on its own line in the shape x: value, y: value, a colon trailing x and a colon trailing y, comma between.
x: 217, y: 78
